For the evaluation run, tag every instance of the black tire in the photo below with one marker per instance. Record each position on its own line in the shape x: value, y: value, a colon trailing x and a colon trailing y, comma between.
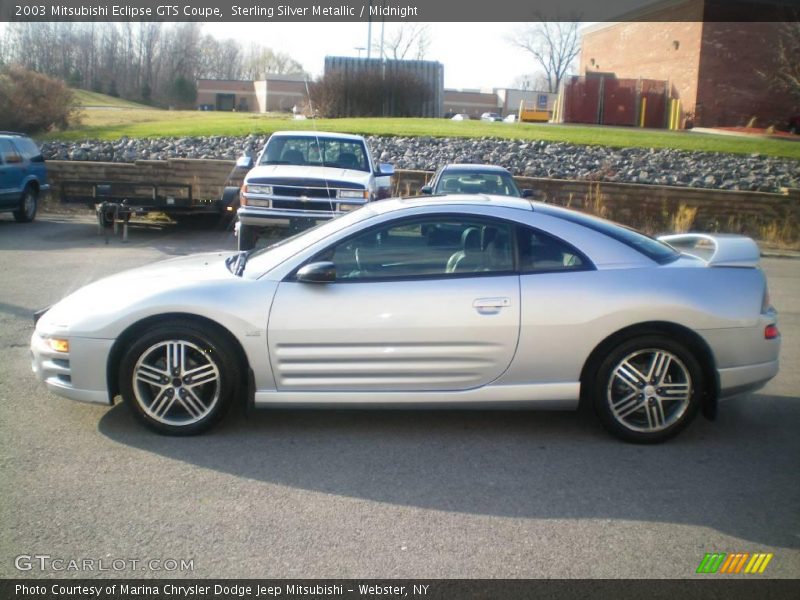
x: 179, y: 378
x: 647, y: 389
x: 248, y: 237
x: 28, y: 205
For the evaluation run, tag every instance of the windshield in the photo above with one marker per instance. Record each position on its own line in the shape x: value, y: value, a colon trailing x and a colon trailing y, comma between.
x: 265, y: 259
x: 315, y: 151
x: 471, y: 182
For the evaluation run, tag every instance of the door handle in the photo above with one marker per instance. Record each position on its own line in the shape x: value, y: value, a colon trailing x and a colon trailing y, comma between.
x: 491, y: 302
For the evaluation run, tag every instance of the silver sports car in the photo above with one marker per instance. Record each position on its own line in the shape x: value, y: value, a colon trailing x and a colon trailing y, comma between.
x: 471, y: 301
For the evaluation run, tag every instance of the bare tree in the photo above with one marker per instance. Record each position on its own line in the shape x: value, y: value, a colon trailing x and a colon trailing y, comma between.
x: 554, y: 46
x: 409, y: 41
x: 785, y: 75
x: 530, y: 81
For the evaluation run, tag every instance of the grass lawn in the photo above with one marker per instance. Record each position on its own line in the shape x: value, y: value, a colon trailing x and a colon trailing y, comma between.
x: 132, y: 120
x: 88, y: 99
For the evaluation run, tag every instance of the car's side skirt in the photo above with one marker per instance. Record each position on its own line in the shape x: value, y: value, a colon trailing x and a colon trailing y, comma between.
x: 546, y: 396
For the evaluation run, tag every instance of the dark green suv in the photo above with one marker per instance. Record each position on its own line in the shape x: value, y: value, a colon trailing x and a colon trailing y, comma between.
x: 23, y: 175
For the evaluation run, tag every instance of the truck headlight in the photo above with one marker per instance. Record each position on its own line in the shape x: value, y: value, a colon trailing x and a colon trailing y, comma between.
x: 346, y: 207
x: 360, y: 194
x: 258, y: 189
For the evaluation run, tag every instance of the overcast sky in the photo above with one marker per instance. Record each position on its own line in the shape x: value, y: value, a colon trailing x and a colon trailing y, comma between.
x: 474, y: 55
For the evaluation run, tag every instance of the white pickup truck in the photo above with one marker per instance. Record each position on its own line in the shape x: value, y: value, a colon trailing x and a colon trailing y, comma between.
x: 301, y: 177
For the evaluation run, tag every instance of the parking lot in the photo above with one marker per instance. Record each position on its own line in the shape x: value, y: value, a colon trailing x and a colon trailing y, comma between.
x: 368, y: 493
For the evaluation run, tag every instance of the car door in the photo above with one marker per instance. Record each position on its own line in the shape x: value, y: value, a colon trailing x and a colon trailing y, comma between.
x: 9, y: 175
x: 417, y: 305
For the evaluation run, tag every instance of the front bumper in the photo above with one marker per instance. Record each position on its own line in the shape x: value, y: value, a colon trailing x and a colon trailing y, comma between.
x: 263, y: 216
x: 79, y: 374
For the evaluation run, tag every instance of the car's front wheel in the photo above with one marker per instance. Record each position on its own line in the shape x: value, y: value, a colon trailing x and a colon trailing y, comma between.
x: 28, y: 205
x: 179, y: 378
x: 647, y: 389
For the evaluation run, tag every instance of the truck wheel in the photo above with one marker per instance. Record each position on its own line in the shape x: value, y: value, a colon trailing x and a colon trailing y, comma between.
x: 27, y: 205
x: 248, y: 236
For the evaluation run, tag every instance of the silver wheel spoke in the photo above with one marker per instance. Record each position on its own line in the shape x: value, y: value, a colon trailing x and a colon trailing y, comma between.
x: 655, y: 415
x: 151, y: 375
x: 659, y: 367
x: 192, y: 404
x: 675, y: 391
x: 176, y: 352
x: 162, y: 403
x: 630, y: 375
x: 626, y: 405
x: 200, y: 375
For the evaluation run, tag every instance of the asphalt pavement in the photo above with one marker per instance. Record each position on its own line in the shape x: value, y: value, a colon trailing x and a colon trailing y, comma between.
x: 368, y: 493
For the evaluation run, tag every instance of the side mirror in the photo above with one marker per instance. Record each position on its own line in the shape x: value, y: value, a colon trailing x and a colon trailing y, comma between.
x: 527, y: 193
x: 385, y: 170
x: 244, y: 162
x: 426, y: 189
x: 318, y: 272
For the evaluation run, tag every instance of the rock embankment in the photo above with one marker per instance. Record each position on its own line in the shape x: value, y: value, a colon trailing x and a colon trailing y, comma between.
x: 529, y: 158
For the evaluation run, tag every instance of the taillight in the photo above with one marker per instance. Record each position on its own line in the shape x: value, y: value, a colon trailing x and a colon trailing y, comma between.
x: 771, y: 332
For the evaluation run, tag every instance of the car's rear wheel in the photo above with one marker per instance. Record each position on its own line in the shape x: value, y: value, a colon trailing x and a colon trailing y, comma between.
x: 179, y: 378
x: 648, y: 389
x: 28, y: 205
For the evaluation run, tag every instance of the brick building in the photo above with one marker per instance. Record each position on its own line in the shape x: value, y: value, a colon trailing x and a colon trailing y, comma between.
x: 712, y: 67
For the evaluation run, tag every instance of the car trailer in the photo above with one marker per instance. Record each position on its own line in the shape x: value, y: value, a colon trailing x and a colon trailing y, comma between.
x: 116, y: 202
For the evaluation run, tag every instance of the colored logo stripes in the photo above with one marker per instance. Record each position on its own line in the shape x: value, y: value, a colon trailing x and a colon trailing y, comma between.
x: 737, y: 562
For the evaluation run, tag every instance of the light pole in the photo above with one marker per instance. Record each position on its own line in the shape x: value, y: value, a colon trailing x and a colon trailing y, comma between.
x: 359, y: 48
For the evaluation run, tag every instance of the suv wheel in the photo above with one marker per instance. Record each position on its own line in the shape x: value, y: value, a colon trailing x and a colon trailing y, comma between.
x: 28, y: 205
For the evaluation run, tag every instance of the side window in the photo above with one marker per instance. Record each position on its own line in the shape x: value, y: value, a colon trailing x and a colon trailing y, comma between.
x: 540, y: 252
x: 446, y: 246
x: 9, y: 153
x: 29, y: 149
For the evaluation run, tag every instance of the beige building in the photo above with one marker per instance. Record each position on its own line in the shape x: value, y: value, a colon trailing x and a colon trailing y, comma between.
x: 276, y: 93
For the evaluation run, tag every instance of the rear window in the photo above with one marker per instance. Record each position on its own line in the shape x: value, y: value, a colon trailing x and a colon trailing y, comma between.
x: 652, y: 248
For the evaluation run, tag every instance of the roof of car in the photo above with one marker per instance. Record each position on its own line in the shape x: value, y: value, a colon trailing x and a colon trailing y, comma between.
x: 474, y: 167
x: 14, y: 133
x: 320, y: 134
x: 455, y: 200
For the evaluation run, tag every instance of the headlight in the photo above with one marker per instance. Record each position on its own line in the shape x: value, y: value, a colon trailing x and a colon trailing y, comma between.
x: 58, y: 344
x: 258, y: 189
x: 252, y: 202
x: 345, y: 207
x: 361, y: 194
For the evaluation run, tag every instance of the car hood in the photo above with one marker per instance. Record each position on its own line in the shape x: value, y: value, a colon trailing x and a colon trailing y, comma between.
x: 110, y: 294
x: 270, y: 173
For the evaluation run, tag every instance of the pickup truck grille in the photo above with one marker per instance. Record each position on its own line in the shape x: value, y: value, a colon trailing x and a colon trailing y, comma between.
x: 309, y: 192
x: 308, y: 205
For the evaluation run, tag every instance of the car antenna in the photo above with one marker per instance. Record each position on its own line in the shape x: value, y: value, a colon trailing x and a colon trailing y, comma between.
x: 319, y: 146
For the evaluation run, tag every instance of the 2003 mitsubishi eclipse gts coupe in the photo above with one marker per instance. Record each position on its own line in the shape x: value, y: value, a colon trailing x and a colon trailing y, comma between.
x: 471, y: 301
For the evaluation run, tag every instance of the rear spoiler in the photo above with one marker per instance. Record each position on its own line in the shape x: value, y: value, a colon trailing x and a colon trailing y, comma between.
x: 717, y: 250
